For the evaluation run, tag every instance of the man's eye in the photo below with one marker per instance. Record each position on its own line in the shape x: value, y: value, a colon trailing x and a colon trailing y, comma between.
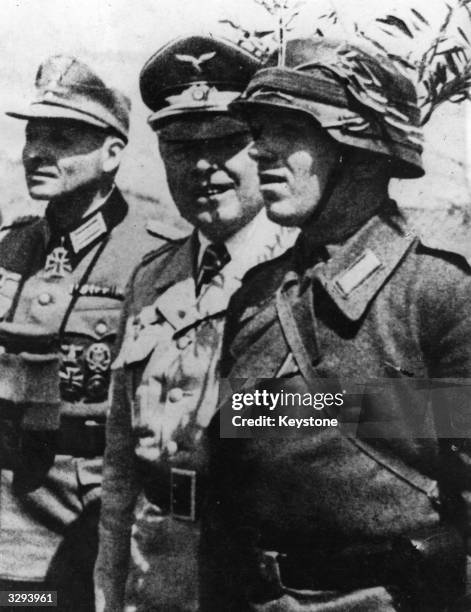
x: 177, y: 152
x: 30, y: 133
x: 256, y: 130
x: 184, y: 149
x: 58, y: 137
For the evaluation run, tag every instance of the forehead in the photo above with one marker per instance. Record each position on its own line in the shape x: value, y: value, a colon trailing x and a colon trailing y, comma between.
x: 278, y: 117
x: 202, y: 127
x: 190, y: 151
x: 47, y: 127
x: 286, y: 127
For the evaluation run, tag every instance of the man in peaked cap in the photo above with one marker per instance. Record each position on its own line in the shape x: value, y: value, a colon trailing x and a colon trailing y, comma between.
x: 372, y: 515
x: 62, y: 280
x: 166, y: 379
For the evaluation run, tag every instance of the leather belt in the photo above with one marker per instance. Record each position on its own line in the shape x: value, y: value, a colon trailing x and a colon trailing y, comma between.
x: 429, y: 567
x: 183, y: 494
x: 177, y: 492
x: 77, y: 437
x: 80, y: 437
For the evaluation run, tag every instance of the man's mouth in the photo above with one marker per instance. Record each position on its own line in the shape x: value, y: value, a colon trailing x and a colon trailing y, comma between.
x: 32, y: 174
x: 268, y: 177
x: 213, y: 190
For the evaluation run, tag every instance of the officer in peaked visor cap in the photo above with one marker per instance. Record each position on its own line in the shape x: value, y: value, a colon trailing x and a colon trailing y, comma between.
x: 62, y: 279
x: 371, y: 516
x: 166, y: 383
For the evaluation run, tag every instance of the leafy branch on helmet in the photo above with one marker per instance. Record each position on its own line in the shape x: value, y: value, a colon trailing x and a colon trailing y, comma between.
x: 441, y: 73
x: 262, y: 43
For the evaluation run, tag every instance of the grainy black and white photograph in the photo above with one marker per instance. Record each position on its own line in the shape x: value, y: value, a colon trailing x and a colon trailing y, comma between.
x: 235, y: 320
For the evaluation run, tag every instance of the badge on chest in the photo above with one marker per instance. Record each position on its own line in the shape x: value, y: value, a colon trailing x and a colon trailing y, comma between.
x: 85, y: 371
x: 143, y: 333
x: 58, y: 263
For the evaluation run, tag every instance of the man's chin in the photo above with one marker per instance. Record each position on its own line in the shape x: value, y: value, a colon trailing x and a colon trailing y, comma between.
x: 41, y: 187
x: 283, y: 213
x: 40, y: 194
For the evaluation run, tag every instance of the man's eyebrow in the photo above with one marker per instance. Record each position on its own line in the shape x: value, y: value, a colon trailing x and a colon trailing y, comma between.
x: 222, y: 138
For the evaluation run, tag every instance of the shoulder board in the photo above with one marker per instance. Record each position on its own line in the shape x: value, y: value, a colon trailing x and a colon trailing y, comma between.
x: 151, y: 255
x: 20, y: 222
x: 460, y: 250
x: 167, y: 232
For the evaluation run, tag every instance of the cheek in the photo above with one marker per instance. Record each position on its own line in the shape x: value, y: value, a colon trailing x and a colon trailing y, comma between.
x: 248, y: 179
x: 179, y: 174
x: 243, y: 167
x: 301, y: 164
x: 80, y: 167
x: 180, y: 188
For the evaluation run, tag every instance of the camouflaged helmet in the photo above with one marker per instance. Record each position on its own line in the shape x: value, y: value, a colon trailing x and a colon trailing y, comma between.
x: 359, y: 98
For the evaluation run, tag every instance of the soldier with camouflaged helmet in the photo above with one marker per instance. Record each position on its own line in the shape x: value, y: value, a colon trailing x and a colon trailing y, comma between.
x: 166, y: 379
x: 62, y: 280
x: 372, y: 515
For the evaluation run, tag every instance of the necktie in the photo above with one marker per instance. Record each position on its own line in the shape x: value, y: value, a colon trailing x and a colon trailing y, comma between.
x: 214, y: 259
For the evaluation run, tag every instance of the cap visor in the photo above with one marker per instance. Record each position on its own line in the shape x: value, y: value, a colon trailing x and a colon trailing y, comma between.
x: 54, y: 111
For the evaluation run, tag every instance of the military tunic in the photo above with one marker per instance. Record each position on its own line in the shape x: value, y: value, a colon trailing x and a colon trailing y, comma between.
x: 72, y: 285
x: 381, y: 305
x: 166, y: 388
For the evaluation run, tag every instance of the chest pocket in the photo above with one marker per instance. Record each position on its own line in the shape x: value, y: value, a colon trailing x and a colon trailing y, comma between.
x: 9, y: 282
x: 144, y: 332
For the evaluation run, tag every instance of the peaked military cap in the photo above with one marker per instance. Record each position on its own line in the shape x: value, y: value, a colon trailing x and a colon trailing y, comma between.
x: 191, y: 77
x: 358, y: 97
x: 66, y: 88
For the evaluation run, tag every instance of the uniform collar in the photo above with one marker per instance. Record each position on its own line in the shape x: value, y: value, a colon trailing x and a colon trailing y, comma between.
x: 358, y: 269
x: 236, y: 244
x: 81, y: 237
x: 179, y: 266
x: 175, y: 287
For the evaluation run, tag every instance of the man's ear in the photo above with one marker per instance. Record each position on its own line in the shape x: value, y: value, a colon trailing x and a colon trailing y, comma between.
x: 113, y: 148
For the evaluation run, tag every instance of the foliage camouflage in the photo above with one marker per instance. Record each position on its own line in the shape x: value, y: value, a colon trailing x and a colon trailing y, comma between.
x: 437, y: 61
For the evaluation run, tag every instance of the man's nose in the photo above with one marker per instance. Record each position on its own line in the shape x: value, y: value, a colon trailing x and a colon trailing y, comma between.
x: 254, y: 152
x: 34, y: 149
x: 258, y: 152
x: 204, y: 168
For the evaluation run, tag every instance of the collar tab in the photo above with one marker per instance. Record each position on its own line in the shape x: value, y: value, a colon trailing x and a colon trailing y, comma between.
x: 357, y: 271
x: 88, y: 232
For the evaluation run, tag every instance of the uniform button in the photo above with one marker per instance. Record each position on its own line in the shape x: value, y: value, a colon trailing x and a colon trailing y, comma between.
x: 183, y: 342
x: 181, y: 313
x: 92, y: 423
x: 172, y: 447
x: 44, y: 299
x: 175, y: 395
x: 101, y: 328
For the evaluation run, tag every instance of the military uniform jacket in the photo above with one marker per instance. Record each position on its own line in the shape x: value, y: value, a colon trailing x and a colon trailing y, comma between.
x: 40, y: 289
x: 82, y: 304
x: 381, y: 306
x: 166, y: 386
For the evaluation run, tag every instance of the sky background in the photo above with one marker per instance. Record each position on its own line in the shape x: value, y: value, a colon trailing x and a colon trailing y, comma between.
x: 116, y: 37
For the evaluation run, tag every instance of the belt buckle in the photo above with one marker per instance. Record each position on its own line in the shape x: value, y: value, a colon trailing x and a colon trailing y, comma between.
x: 183, y: 494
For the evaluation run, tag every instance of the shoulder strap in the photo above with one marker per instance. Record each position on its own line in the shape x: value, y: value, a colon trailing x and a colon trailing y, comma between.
x: 296, y: 344
x: 151, y: 255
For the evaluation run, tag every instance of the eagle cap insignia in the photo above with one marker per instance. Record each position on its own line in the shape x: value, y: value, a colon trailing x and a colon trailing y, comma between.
x: 195, y: 61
